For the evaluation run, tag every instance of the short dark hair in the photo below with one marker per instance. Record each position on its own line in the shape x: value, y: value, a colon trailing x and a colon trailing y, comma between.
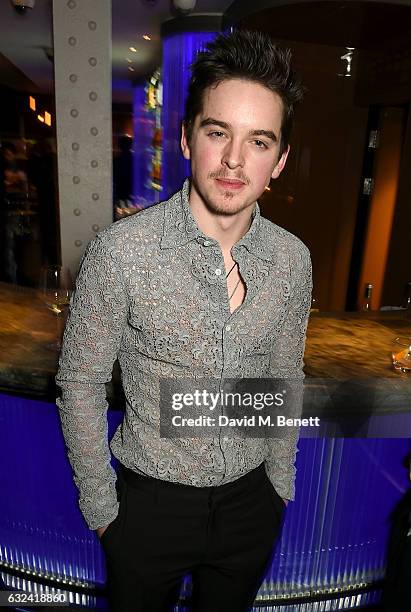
x: 250, y: 55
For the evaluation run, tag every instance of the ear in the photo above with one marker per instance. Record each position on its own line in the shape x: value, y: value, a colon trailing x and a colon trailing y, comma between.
x: 280, y: 164
x: 184, y: 142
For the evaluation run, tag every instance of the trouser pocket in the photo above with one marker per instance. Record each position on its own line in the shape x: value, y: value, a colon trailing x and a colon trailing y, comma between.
x: 276, y: 499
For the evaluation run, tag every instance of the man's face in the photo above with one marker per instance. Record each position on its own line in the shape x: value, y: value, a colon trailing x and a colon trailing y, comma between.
x: 234, y: 147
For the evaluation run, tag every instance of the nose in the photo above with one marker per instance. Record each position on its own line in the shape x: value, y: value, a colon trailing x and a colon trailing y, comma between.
x: 233, y: 155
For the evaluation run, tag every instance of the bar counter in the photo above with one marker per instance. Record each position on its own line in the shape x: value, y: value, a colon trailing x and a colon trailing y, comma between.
x: 334, y: 536
x: 339, y: 345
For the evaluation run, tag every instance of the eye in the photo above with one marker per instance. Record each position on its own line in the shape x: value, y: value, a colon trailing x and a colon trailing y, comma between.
x: 216, y: 134
x: 260, y: 144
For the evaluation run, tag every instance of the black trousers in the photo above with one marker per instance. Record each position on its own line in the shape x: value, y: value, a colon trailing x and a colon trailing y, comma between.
x: 223, y: 536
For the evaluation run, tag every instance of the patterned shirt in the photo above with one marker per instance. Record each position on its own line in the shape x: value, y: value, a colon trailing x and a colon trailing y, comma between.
x: 151, y: 292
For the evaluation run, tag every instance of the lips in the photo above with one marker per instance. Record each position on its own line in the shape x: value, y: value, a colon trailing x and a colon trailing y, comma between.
x: 230, y: 183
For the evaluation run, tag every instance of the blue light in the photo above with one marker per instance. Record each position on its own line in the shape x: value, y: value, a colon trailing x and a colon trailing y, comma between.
x: 143, y: 126
x: 179, y: 51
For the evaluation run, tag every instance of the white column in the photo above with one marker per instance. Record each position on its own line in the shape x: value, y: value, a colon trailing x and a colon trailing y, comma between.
x: 82, y: 63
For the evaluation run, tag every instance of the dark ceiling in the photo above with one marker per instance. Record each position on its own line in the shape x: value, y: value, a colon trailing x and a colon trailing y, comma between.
x: 367, y: 25
x: 363, y: 25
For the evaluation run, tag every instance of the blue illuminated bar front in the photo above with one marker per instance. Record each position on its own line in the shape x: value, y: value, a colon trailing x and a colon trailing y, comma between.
x: 321, y: 547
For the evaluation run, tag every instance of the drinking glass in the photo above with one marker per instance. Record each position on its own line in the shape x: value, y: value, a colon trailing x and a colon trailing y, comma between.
x: 401, y: 354
x: 55, y: 291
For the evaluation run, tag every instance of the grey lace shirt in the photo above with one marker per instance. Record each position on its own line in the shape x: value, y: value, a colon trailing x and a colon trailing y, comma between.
x: 151, y: 291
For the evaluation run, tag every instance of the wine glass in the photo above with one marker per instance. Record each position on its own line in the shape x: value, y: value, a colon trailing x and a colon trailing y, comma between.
x: 55, y: 291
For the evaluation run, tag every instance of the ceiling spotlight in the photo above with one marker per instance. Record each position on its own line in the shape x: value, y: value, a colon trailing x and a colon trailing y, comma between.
x: 184, y: 6
x: 131, y: 68
x: 146, y: 37
x: 133, y: 49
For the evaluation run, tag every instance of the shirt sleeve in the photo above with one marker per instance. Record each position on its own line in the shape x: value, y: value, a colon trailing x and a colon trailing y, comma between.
x: 92, y: 336
x: 286, y: 362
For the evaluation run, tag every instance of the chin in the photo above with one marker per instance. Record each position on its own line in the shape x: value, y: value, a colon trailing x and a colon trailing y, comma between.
x: 227, y: 206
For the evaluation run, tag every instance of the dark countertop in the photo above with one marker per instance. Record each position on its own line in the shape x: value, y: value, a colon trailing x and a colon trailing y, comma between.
x: 354, y: 344
x: 339, y: 345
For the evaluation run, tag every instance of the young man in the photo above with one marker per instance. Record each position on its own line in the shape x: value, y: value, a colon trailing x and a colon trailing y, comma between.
x: 203, y: 286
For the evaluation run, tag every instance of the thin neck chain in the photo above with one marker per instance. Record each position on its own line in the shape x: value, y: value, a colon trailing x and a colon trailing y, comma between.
x: 228, y: 273
x: 234, y: 290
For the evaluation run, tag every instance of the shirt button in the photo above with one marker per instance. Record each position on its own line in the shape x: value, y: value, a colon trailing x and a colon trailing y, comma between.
x: 206, y: 243
x: 218, y: 271
x: 228, y: 327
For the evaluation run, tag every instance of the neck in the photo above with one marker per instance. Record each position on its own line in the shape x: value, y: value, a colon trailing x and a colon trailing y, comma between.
x: 226, y: 229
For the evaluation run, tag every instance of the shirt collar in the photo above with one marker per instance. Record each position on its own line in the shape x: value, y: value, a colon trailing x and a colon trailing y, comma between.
x: 180, y: 227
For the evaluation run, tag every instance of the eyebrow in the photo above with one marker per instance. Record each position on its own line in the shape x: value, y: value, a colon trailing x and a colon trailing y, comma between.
x: 226, y: 126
